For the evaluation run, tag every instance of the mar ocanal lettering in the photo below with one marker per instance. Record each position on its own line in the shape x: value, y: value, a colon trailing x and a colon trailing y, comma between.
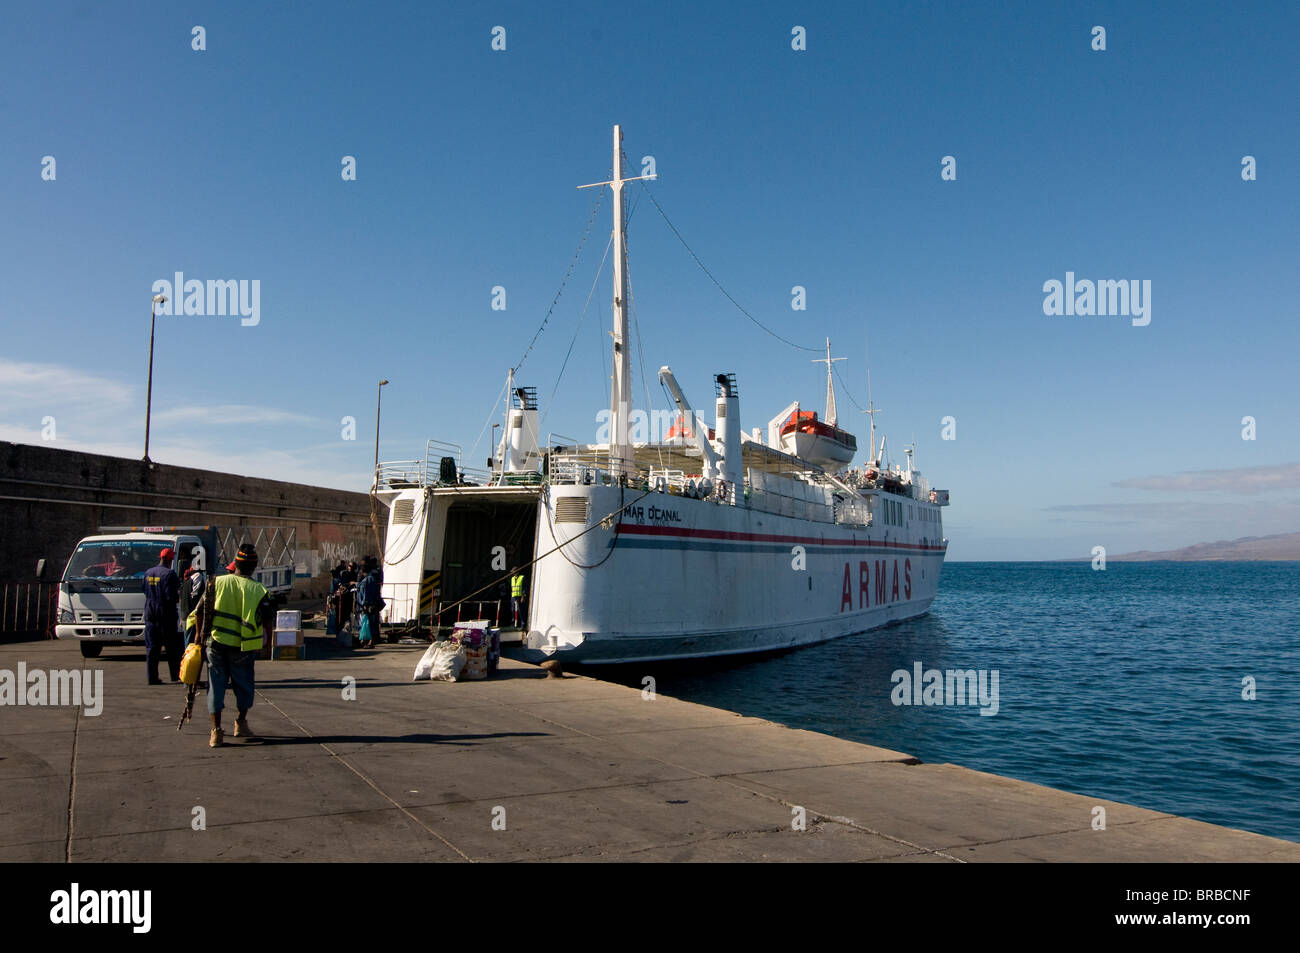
x: 652, y: 514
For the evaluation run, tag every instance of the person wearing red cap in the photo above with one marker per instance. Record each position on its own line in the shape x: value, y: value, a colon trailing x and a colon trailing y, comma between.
x: 162, y: 590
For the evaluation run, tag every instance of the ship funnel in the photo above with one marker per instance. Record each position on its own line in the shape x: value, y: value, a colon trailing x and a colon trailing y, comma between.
x: 522, y: 454
x: 729, y: 433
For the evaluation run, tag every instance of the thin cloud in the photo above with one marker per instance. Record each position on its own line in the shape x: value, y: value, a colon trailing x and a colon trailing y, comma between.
x: 29, y: 381
x: 326, y: 465
x: 1282, y: 476
x: 97, y: 414
x: 1171, y: 512
x: 224, y: 414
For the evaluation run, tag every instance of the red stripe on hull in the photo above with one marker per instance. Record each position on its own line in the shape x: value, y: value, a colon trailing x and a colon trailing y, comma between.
x: 637, y: 529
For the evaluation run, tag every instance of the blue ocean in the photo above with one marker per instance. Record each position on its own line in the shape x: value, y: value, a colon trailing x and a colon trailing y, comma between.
x: 1171, y: 686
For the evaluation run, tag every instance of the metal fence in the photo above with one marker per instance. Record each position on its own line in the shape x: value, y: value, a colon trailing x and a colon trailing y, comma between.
x: 28, y: 608
x: 413, y: 604
x: 474, y: 609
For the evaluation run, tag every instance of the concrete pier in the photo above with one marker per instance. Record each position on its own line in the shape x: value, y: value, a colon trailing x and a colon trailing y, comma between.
x: 519, y: 767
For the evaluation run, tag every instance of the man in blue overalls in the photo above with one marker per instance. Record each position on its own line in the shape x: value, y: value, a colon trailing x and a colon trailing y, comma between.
x: 162, y: 589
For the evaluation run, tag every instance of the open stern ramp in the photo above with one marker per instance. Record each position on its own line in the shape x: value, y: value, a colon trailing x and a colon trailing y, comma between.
x: 450, y: 536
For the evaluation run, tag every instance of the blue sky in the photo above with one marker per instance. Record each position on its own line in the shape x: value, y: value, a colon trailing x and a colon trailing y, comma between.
x: 818, y: 168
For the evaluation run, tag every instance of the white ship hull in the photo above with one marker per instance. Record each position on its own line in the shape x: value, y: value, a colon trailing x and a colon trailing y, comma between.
x: 676, y: 578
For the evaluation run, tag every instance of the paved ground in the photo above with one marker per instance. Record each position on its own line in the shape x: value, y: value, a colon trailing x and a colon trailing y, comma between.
x: 573, y: 769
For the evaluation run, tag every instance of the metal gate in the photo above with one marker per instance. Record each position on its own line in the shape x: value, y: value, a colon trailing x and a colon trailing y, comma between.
x: 28, y: 608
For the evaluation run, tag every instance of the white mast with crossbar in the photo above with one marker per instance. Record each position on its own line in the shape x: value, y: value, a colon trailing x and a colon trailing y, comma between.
x: 830, y: 386
x: 620, y: 396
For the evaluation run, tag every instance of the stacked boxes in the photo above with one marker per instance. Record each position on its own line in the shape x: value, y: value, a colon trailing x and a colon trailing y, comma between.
x: 286, y: 640
x: 482, y: 645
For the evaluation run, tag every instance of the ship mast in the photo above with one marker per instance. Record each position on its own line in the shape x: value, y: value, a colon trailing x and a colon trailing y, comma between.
x: 830, y: 386
x: 620, y: 392
x: 871, y: 409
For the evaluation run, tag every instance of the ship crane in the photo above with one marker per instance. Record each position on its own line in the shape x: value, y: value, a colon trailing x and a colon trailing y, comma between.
x: 712, y: 466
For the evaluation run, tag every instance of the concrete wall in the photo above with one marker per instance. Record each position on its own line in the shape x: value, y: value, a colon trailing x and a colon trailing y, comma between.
x: 50, y: 498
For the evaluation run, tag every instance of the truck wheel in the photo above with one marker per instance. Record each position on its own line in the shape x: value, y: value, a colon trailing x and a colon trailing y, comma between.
x: 91, y: 649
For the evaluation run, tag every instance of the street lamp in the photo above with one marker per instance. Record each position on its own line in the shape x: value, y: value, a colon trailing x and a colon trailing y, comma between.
x: 379, y: 396
x: 148, y: 405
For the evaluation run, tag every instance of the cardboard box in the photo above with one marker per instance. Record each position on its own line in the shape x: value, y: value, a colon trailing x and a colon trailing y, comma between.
x: 285, y: 644
x: 288, y: 619
x: 287, y: 637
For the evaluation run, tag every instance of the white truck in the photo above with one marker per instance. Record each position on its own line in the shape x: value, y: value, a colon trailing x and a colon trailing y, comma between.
x: 101, y: 594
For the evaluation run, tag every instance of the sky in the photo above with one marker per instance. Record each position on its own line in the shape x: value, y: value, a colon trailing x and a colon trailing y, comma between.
x: 820, y: 168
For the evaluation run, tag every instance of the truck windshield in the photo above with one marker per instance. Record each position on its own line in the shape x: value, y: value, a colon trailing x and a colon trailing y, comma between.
x: 113, y: 559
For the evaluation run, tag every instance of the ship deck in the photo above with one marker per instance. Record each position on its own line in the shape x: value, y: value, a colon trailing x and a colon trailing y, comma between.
x: 687, y: 458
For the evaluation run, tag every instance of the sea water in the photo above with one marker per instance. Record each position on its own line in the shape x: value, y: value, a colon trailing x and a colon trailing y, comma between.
x: 1170, y: 686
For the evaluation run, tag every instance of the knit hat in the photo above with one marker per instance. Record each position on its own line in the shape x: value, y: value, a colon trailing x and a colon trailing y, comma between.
x: 247, y: 555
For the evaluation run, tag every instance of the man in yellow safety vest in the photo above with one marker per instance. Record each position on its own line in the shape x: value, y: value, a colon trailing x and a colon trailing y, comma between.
x: 242, y: 614
x: 517, y: 597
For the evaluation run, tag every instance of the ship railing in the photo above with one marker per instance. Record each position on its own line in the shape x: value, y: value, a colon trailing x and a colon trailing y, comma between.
x: 888, y: 481
x: 403, y: 474
x: 494, y: 610
x: 437, y: 450
x: 673, y: 481
x: 570, y: 463
x: 399, y: 474
x: 414, y: 604
x: 406, y: 602
x: 477, y: 476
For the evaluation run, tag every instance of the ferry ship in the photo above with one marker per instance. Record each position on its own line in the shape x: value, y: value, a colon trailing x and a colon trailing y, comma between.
x: 715, y: 541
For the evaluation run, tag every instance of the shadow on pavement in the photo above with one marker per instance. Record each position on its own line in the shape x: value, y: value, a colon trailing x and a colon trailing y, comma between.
x: 425, y: 739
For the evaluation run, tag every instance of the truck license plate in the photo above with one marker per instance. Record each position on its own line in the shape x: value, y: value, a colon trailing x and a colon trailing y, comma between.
x: 107, y: 631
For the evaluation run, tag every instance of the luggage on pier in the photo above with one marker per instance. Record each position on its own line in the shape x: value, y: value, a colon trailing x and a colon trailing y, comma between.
x: 482, y: 647
x: 441, y: 662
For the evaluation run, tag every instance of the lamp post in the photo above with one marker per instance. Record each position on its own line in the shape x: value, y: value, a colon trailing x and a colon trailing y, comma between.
x: 374, y: 508
x: 148, y: 401
x: 379, y: 396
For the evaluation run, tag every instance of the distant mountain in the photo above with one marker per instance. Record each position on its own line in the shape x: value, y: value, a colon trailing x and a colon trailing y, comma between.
x: 1282, y: 546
